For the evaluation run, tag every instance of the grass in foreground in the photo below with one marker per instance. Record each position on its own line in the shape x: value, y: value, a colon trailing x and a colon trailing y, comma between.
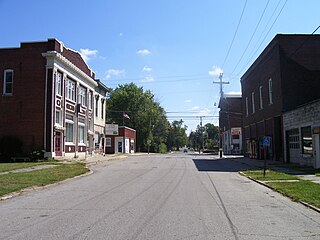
x: 305, y: 191
x: 302, y: 190
x: 270, y: 175
x: 5, y: 167
x: 16, y: 181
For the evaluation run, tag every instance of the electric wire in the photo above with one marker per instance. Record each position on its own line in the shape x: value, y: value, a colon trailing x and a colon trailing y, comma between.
x: 245, y: 66
x: 234, y: 36
x: 254, y: 32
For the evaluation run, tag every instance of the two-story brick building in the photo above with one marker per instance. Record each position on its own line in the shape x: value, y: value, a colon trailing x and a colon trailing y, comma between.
x: 47, y: 98
x: 230, y: 123
x: 284, y: 76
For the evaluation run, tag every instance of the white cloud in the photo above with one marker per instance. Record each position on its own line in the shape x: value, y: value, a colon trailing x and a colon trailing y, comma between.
x: 187, y: 101
x: 143, y: 52
x: 204, y: 112
x: 215, y: 71
x: 120, y: 34
x: 148, y: 79
x: 146, y: 69
x: 114, y: 73
x: 194, y: 108
x: 87, y: 54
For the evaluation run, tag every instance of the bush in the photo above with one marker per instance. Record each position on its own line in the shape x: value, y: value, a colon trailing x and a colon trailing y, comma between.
x: 9, y: 146
x: 163, y: 148
x: 37, y: 154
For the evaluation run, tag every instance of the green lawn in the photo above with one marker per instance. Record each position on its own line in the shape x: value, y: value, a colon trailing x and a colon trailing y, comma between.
x: 16, y: 181
x: 5, y: 167
x: 302, y: 190
x: 305, y: 191
x: 270, y: 175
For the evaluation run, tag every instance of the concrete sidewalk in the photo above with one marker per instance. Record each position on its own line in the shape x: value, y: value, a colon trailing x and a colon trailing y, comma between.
x: 274, y: 165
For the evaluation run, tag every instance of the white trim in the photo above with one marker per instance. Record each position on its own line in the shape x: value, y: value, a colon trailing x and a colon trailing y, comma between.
x: 57, y: 56
x: 5, y: 82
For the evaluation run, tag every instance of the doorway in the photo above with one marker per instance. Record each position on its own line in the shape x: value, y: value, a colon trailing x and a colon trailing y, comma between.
x: 58, y: 144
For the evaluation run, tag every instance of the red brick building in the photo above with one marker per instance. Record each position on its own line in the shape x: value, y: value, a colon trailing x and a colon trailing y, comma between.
x: 230, y: 123
x: 124, y: 142
x: 284, y: 76
x: 46, y: 100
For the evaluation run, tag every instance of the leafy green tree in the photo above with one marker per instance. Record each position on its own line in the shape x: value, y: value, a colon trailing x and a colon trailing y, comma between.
x: 177, y: 137
x: 146, y: 115
x: 207, y: 136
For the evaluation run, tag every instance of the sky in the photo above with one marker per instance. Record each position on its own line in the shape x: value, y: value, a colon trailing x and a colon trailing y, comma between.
x: 175, y: 48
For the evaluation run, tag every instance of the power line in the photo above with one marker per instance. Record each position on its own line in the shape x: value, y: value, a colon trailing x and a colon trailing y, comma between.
x: 263, y: 38
x: 234, y: 36
x: 254, y: 32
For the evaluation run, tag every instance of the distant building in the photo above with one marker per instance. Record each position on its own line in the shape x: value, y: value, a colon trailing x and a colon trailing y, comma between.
x: 230, y: 123
x: 99, y: 117
x: 284, y: 76
x: 123, y: 142
x: 47, y: 99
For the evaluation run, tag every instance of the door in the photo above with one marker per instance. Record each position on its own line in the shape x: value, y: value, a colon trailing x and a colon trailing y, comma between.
x: 58, y: 144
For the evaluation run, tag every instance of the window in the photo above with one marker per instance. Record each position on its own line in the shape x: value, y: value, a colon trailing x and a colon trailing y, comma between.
x: 70, y: 90
x: 293, y: 138
x: 59, y: 83
x: 252, y: 99
x: 58, y: 117
x: 270, y: 91
x: 247, y: 107
x: 306, y: 140
x: 90, y: 100
x: 102, y: 107
x: 97, y: 102
x: 108, y: 142
x: 69, y: 129
x: 260, y: 97
x: 82, y: 96
x: 8, y: 82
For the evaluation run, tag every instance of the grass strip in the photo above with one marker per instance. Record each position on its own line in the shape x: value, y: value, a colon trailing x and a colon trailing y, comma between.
x: 305, y: 191
x: 16, y: 181
x: 302, y: 190
x: 270, y: 175
x: 6, y: 167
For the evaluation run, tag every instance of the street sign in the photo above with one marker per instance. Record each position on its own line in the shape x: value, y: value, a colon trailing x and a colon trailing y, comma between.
x: 266, y: 141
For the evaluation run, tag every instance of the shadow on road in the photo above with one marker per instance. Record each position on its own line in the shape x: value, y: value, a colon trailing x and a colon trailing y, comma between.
x: 221, y: 165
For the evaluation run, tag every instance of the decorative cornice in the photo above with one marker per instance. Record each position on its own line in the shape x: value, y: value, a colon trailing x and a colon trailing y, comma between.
x: 69, y: 64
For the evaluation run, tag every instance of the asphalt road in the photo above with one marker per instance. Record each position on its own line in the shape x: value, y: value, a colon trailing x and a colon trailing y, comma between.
x: 173, y: 196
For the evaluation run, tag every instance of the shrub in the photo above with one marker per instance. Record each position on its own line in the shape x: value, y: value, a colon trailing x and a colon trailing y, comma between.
x: 163, y: 148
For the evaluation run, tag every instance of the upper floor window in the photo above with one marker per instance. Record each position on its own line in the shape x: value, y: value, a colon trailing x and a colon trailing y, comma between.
x: 102, y: 108
x: 90, y: 100
x: 82, y: 96
x: 59, y: 83
x: 270, y: 91
x: 70, y: 90
x: 8, y: 82
x: 97, y: 102
x: 260, y: 98
x: 252, y: 100
x: 247, y: 107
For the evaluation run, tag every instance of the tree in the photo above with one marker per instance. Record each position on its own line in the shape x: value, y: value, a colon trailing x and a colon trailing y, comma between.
x: 177, y: 135
x: 146, y: 115
x: 207, y: 136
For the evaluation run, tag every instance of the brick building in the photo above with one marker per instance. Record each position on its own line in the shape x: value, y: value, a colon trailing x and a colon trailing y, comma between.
x: 47, y: 98
x: 230, y: 123
x: 284, y: 76
x: 123, y: 142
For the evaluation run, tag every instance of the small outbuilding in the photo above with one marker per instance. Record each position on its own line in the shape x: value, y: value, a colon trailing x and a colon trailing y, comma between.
x: 123, y: 142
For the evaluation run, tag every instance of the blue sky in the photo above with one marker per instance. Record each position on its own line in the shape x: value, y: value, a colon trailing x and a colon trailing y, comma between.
x: 175, y: 48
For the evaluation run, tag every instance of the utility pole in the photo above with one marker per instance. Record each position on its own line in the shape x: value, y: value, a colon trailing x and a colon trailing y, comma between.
x: 220, y: 82
x: 201, y: 134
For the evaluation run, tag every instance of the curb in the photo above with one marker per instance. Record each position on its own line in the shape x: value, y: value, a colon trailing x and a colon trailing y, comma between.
x: 37, y: 188
x: 264, y: 184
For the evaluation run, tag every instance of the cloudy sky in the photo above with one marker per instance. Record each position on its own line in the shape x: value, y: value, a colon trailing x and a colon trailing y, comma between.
x: 176, y: 48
